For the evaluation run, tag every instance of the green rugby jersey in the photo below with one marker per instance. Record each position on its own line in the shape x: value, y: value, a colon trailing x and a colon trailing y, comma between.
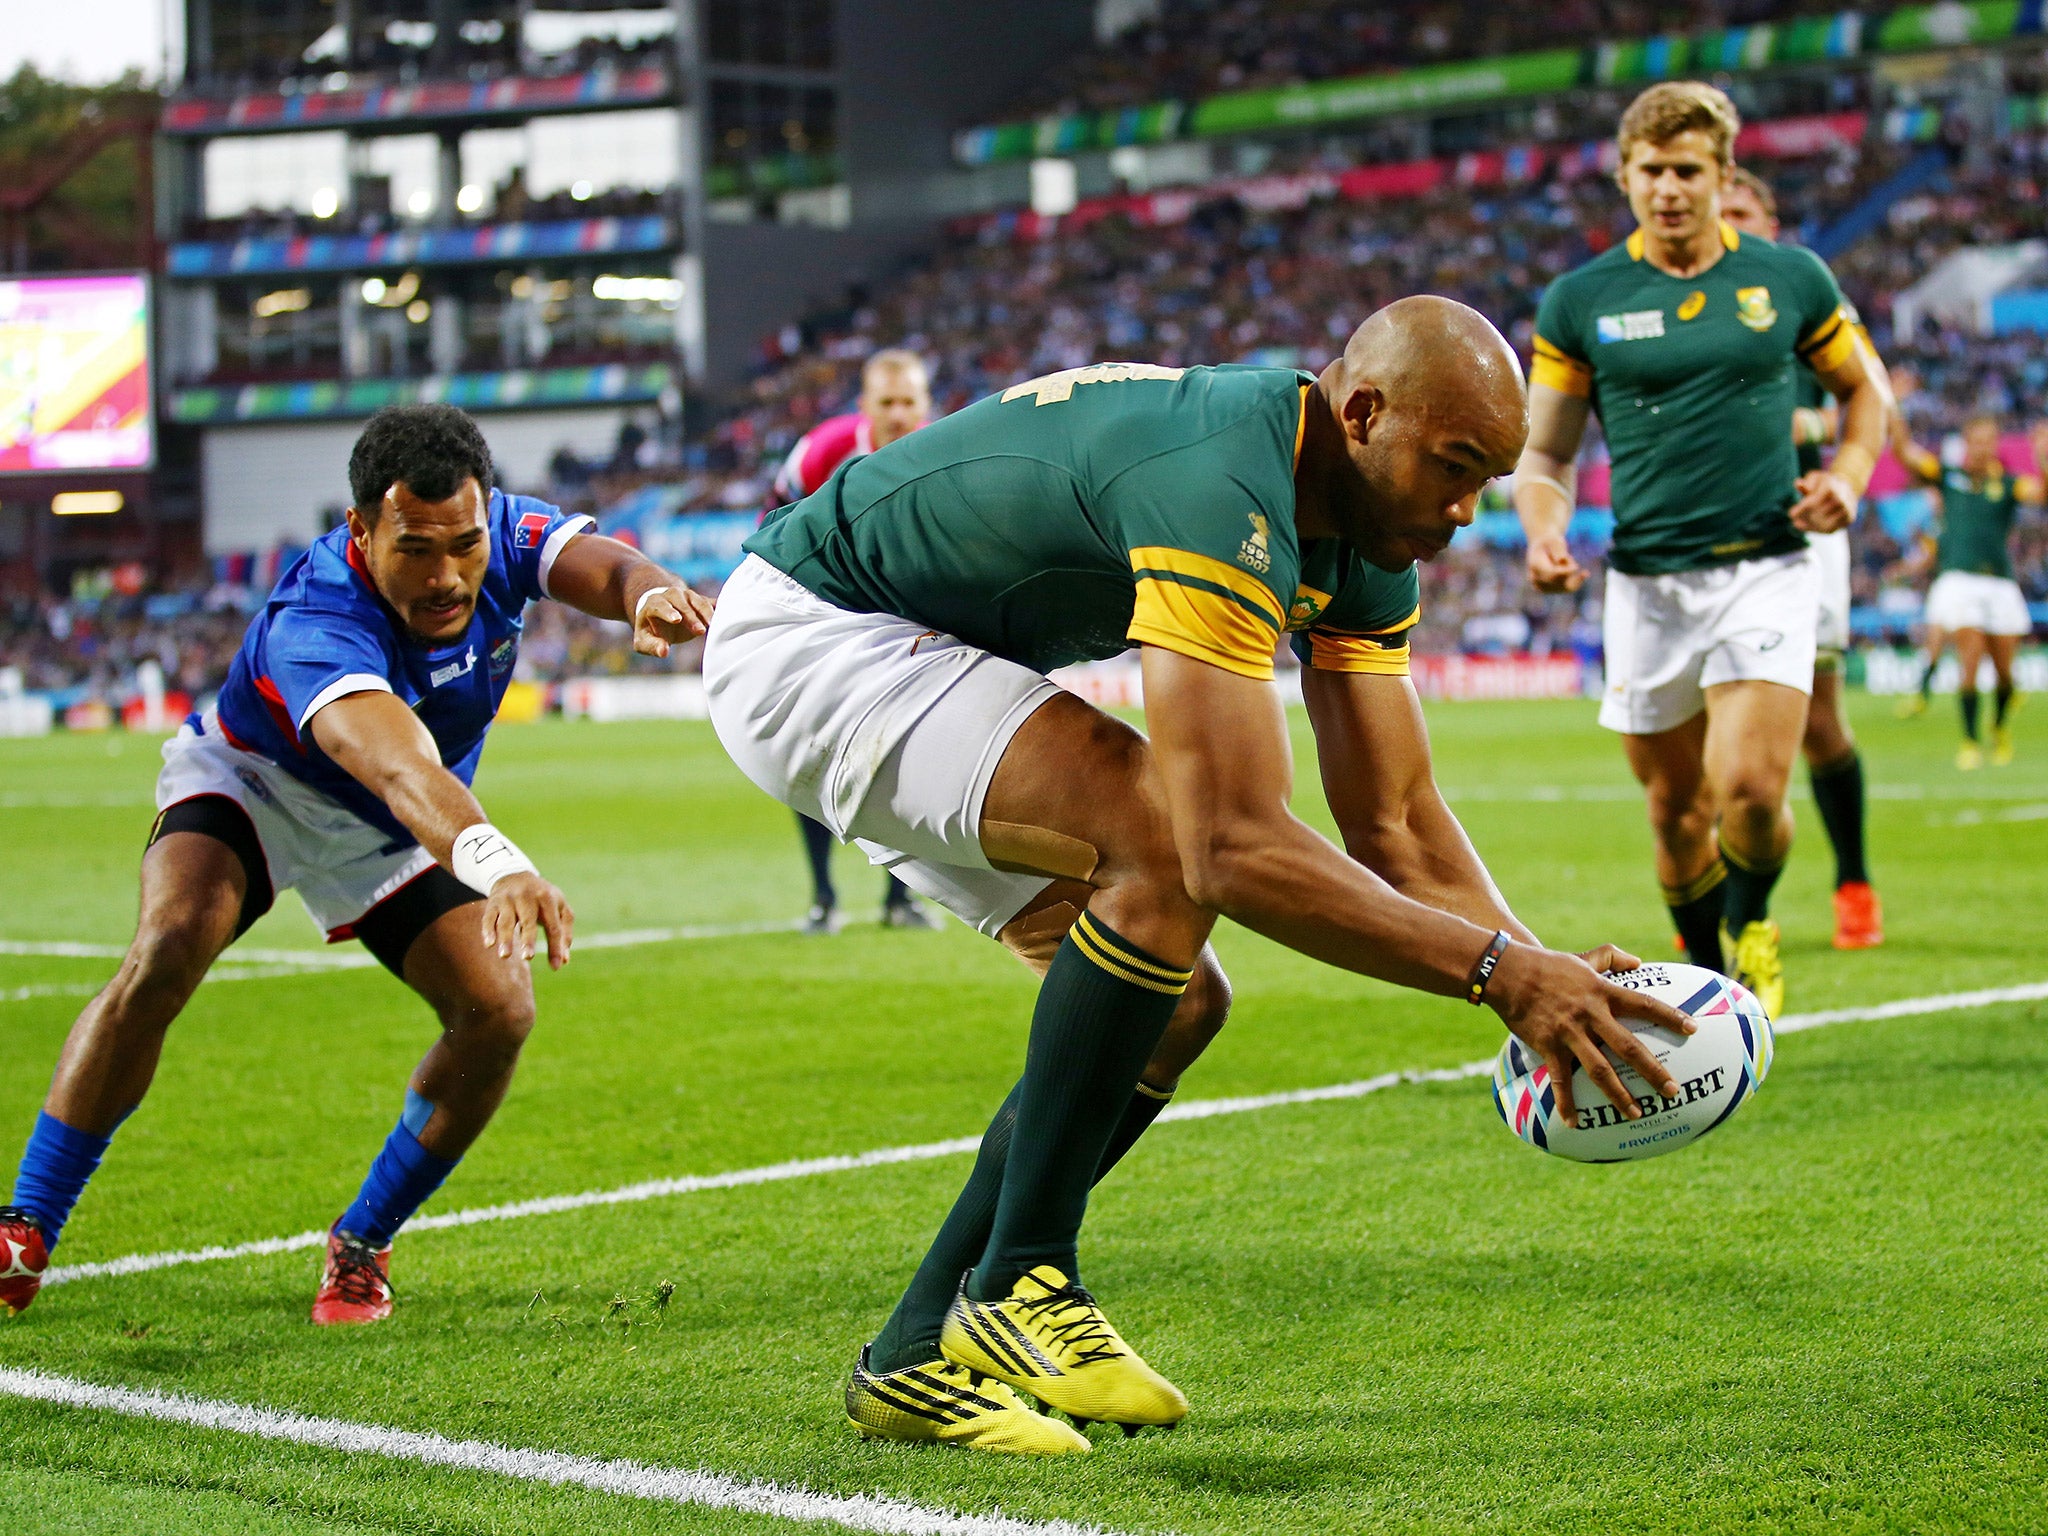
x: 1692, y: 378
x: 1976, y: 523
x: 1073, y: 516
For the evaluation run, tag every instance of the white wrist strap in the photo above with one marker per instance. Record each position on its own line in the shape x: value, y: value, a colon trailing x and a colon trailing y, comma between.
x: 641, y: 606
x: 483, y: 856
x: 1528, y: 478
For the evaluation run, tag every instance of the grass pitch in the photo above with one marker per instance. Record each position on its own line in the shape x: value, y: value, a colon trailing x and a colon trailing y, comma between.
x: 1388, y: 1314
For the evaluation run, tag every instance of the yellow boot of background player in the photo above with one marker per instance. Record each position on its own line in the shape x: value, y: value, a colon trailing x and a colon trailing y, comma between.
x: 1758, y: 966
x: 1049, y: 1338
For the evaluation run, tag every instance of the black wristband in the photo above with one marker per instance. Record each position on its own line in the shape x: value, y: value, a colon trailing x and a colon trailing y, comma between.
x: 1482, y: 972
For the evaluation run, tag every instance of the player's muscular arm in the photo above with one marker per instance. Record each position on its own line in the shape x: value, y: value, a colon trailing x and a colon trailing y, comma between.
x: 1220, y: 743
x: 610, y: 580
x: 1828, y: 497
x: 1373, y: 750
x: 384, y: 747
x: 1546, y: 486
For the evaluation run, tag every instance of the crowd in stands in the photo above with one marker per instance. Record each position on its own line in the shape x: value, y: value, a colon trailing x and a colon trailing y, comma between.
x: 507, y: 203
x: 406, y: 53
x: 1197, y: 48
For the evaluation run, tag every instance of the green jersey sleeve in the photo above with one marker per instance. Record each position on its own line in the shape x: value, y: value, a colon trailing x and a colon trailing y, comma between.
x: 1561, y: 360
x: 1365, y: 625
x: 1827, y: 322
x: 1209, y: 530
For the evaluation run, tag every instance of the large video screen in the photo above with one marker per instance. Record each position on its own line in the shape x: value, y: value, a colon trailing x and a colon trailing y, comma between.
x: 74, y: 374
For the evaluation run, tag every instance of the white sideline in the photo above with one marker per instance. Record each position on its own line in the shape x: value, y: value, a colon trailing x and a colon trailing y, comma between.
x: 628, y: 1479
x: 803, y: 1168
x: 263, y: 964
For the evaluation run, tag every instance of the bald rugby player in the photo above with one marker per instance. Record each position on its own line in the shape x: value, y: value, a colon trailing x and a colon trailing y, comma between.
x: 895, y: 400
x: 338, y: 762
x: 879, y: 662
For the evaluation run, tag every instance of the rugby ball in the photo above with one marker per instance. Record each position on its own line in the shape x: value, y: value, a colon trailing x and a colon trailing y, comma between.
x: 1718, y: 1069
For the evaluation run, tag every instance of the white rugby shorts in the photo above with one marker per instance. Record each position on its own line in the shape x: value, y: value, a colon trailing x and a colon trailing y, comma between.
x: 1965, y: 600
x: 887, y: 732
x: 1831, y: 560
x: 1670, y: 638
x: 340, y: 865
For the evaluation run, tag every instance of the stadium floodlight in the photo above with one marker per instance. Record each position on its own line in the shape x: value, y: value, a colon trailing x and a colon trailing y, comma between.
x: 373, y: 290
x: 324, y: 202
x: 470, y: 198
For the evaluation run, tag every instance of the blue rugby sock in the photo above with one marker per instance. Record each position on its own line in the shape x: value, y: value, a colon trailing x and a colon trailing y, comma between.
x: 54, y: 1168
x: 400, y: 1180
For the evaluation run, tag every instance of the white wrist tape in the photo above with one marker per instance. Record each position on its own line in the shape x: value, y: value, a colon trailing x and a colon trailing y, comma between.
x: 483, y: 856
x: 1570, y: 496
x: 641, y: 607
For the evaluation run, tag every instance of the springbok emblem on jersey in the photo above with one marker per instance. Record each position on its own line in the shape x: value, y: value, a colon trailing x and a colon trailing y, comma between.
x: 1753, y: 308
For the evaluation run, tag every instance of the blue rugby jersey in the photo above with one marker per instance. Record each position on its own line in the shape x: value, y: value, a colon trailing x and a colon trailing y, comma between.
x: 325, y: 633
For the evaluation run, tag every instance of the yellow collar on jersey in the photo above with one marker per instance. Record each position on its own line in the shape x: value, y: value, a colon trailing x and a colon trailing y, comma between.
x: 1730, y: 237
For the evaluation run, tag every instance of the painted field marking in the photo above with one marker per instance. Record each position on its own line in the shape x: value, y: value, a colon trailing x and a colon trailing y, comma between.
x: 627, y: 1479
x: 266, y: 964
x: 810, y: 1167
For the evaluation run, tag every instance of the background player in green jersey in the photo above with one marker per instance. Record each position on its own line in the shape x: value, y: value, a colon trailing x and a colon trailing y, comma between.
x: 1974, y: 600
x: 1685, y: 339
x: 1833, y: 764
x: 878, y: 662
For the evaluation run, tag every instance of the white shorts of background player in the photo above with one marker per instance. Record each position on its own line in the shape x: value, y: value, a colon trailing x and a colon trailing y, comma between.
x: 1966, y: 600
x: 1670, y: 638
x: 340, y: 865
x: 1831, y: 560
x: 886, y: 731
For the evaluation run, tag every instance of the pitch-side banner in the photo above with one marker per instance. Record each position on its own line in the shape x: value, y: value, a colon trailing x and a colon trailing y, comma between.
x: 1441, y: 85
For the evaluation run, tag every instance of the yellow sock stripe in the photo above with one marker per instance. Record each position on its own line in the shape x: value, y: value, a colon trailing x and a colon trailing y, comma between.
x: 1163, y: 1095
x: 1681, y: 895
x: 1122, y: 952
x: 1091, y: 947
x: 1750, y: 869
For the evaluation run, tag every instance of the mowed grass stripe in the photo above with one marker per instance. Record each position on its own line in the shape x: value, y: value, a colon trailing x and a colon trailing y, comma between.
x: 627, y: 1479
x: 811, y: 1167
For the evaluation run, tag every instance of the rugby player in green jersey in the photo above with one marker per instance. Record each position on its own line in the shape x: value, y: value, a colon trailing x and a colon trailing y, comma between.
x: 879, y: 662
x: 1686, y: 339
x: 1833, y: 765
x: 1975, y: 600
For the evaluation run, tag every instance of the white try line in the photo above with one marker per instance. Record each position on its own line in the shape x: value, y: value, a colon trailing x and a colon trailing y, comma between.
x: 264, y: 964
x: 627, y: 1479
x: 810, y: 1167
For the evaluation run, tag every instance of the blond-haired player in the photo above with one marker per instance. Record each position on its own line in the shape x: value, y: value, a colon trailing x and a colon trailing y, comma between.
x: 1686, y: 340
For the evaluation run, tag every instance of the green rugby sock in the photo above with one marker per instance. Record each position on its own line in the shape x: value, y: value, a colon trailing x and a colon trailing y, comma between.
x: 1101, y: 1010
x: 2003, y: 700
x: 1838, y: 793
x: 1696, y: 914
x: 911, y: 1336
x: 1968, y: 700
x: 1748, y: 898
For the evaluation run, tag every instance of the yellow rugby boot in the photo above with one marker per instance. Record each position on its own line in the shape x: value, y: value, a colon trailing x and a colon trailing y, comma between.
x: 2001, y: 747
x: 1969, y: 757
x: 1758, y: 967
x: 1049, y: 1338
x: 1910, y: 706
x: 944, y: 1402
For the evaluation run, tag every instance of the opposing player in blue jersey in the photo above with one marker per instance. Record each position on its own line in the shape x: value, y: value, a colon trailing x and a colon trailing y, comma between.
x: 338, y: 761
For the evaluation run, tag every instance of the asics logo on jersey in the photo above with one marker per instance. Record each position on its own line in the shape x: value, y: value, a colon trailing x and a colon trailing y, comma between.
x: 1694, y: 303
x: 1635, y: 325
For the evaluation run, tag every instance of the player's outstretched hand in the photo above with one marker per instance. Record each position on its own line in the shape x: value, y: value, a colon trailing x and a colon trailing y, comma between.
x: 1827, y: 502
x: 518, y: 907
x: 1551, y: 566
x: 668, y: 615
x: 1565, y: 1010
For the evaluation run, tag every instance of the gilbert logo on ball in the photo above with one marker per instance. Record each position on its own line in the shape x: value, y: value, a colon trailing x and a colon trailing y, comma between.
x: 1717, y: 1070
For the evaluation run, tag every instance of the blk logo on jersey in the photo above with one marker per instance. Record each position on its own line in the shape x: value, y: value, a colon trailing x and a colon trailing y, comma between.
x: 503, y: 654
x: 532, y: 528
x: 453, y: 670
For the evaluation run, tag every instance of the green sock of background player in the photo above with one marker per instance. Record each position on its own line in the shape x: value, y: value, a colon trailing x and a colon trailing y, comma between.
x: 911, y: 1336
x: 2002, y: 703
x: 1968, y: 700
x: 1839, y: 797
